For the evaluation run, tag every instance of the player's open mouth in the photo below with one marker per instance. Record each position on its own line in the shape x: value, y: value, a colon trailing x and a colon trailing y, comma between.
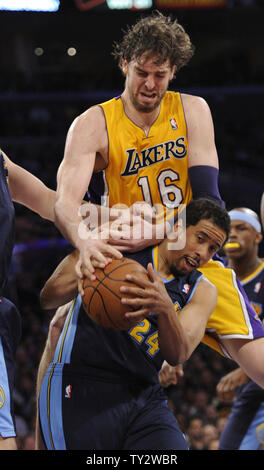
x: 148, y: 96
x: 194, y: 264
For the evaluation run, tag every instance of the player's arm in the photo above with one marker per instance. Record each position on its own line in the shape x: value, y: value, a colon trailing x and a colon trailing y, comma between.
x: 179, y: 334
x: 62, y: 286
x: 249, y: 355
x: 86, y: 138
x: 28, y: 190
x: 202, y: 153
x: 194, y: 316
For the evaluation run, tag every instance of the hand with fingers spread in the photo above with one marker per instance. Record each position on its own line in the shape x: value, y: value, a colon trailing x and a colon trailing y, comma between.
x: 228, y: 384
x: 149, y: 295
x: 94, y: 253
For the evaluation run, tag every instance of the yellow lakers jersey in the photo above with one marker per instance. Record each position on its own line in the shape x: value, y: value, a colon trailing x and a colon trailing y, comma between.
x: 153, y: 168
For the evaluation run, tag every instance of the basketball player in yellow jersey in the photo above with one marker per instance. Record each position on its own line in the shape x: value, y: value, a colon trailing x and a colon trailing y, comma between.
x: 154, y: 166
x: 158, y: 146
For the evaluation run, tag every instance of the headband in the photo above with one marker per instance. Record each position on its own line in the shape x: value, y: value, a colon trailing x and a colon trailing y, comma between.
x: 238, y: 215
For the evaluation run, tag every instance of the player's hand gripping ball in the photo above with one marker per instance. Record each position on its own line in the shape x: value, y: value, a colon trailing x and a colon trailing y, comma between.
x: 102, y: 297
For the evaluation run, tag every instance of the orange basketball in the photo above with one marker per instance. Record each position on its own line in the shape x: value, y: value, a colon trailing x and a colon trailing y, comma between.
x: 102, y: 297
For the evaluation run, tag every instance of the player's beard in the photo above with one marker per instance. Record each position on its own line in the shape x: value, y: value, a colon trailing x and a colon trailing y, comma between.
x: 176, y: 272
x: 145, y: 108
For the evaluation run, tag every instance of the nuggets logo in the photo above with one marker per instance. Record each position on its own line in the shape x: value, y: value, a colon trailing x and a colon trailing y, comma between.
x: 2, y: 397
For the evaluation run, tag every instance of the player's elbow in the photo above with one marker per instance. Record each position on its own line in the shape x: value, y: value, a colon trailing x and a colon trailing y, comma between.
x: 46, y: 301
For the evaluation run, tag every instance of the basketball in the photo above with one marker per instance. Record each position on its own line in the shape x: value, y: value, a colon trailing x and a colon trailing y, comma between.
x: 102, y: 297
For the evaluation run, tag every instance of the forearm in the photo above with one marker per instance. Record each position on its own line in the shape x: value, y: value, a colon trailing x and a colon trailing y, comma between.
x: 249, y: 355
x: 62, y: 286
x: 53, y: 294
x: 30, y: 191
x: 69, y: 221
x: 172, y: 339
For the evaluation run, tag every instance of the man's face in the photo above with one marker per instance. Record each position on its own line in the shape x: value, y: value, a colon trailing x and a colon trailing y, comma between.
x: 203, y: 240
x: 246, y: 237
x: 147, y: 82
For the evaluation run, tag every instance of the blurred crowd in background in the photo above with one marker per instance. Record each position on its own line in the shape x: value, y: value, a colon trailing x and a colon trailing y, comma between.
x: 38, y: 105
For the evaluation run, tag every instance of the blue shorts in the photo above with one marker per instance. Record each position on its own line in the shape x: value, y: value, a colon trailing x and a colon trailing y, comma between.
x: 81, y: 412
x: 245, y: 427
x: 10, y: 331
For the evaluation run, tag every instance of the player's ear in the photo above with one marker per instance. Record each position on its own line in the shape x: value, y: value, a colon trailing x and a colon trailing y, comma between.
x: 258, y: 238
x: 173, y: 70
x: 124, y: 66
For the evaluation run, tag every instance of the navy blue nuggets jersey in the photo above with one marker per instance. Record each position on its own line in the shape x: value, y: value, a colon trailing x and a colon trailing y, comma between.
x: 254, y: 287
x: 102, y: 390
x: 10, y: 321
x: 7, y: 232
x: 129, y: 354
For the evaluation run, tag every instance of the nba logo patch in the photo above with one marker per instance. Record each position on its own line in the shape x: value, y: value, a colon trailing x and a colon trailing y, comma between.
x: 173, y: 124
x: 186, y: 288
x: 68, y: 391
x: 257, y: 287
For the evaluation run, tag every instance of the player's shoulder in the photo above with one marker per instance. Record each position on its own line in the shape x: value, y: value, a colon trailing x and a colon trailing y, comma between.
x: 195, y: 106
x: 93, y: 116
x: 206, y: 289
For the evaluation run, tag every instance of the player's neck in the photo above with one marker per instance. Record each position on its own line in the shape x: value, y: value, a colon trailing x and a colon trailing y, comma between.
x: 141, y: 119
x: 243, y: 267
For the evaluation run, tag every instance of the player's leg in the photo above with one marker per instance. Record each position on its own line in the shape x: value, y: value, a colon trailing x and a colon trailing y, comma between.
x: 10, y: 329
x: 154, y: 426
x: 80, y: 412
x: 254, y: 438
x: 55, y: 328
x: 245, y: 420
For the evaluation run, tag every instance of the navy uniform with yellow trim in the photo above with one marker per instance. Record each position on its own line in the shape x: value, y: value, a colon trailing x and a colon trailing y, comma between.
x: 10, y: 321
x: 244, y: 429
x: 131, y: 413
x: 254, y: 287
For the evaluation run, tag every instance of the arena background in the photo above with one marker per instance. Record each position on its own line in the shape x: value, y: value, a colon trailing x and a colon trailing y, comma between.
x: 56, y: 64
